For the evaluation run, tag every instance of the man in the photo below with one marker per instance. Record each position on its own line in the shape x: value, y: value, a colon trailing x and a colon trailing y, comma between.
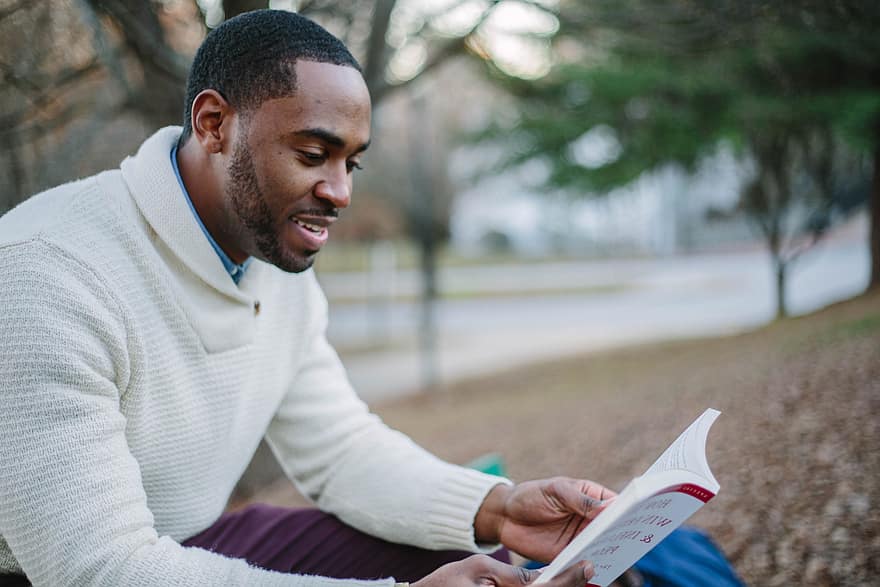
x: 160, y: 319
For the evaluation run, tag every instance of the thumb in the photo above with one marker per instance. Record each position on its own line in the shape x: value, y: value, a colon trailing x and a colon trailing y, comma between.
x: 583, y: 501
x: 573, y: 576
x: 505, y: 575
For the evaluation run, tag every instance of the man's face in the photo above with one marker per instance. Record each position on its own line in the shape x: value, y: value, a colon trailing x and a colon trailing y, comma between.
x: 292, y: 164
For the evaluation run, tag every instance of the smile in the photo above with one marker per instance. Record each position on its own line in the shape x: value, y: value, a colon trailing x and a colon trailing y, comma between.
x: 309, y: 231
x: 310, y: 227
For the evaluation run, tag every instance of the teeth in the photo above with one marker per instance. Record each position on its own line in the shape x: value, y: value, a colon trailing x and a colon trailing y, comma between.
x: 307, y: 226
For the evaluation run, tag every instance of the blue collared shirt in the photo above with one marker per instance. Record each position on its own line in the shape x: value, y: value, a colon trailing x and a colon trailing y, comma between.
x: 236, y: 271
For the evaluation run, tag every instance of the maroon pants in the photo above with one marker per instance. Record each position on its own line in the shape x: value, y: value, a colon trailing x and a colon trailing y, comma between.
x: 309, y: 541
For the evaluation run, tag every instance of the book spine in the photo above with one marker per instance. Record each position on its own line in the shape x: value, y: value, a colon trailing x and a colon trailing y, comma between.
x: 690, y: 489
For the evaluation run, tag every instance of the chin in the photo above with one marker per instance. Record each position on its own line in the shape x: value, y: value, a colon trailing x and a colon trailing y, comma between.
x: 288, y: 259
x: 296, y: 263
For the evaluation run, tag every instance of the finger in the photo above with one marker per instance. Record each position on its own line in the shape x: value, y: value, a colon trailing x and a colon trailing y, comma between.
x: 504, y: 575
x: 581, y: 497
x: 597, y: 490
x: 574, y: 576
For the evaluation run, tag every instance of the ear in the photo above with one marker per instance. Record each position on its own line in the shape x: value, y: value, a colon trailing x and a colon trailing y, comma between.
x: 211, y: 117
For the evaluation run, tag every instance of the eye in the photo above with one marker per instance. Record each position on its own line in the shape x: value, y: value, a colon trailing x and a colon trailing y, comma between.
x: 352, y: 165
x: 313, y: 157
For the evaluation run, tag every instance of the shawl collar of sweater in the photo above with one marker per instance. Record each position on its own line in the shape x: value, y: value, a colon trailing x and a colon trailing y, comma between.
x: 222, y: 313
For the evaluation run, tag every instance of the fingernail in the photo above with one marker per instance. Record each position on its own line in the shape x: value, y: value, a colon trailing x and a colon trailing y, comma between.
x: 594, y: 503
x: 588, y: 570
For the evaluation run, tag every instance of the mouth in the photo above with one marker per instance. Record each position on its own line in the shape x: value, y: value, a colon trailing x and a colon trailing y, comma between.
x: 311, y: 230
x: 309, y: 226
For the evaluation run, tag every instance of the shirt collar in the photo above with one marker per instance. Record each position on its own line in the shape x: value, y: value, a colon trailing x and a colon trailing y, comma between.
x: 235, y: 270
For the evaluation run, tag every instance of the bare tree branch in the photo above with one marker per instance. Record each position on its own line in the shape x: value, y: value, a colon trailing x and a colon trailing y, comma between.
x: 429, y: 17
x: 143, y: 33
x: 15, y: 7
x: 30, y: 131
x: 9, y: 145
x: 102, y: 46
x: 325, y: 7
x: 440, y: 55
x: 375, y: 60
x: 22, y: 83
x: 159, y: 95
x: 305, y: 7
x: 232, y: 8
x: 804, y: 245
x: 42, y: 96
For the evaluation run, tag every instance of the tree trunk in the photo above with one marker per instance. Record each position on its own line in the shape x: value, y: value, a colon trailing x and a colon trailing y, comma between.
x: 233, y: 8
x: 428, y: 324
x: 422, y: 219
x: 874, y: 204
x: 375, y: 60
x: 773, y: 234
x: 15, y: 192
x: 781, y: 308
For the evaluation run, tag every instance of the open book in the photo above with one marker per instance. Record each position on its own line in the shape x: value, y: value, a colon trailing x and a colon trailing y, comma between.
x: 647, y: 510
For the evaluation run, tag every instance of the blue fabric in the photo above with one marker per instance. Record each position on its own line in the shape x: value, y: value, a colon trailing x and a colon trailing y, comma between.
x: 686, y: 558
x: 236, y: 271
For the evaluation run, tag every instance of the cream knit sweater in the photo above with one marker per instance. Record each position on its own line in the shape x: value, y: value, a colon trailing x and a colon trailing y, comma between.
x: 136, y: 380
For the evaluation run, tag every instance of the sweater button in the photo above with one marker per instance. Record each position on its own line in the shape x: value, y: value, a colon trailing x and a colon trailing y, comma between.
x: 256, y: 307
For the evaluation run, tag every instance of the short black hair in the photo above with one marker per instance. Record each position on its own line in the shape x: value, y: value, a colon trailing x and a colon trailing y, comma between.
x: 250, y: 58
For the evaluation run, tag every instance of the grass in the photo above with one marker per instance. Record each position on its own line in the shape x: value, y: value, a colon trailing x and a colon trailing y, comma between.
x: 867, y: 326
x: 506, y: 293
x: 354, y: 256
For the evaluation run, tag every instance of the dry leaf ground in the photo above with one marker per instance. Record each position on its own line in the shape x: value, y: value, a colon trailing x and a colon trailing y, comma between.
x: 796, y: 450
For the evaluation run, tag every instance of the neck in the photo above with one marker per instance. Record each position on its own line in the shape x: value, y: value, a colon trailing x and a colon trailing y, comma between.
x: 200, y: 171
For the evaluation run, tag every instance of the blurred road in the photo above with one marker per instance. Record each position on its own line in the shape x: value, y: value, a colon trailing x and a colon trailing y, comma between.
x: 631, y: 301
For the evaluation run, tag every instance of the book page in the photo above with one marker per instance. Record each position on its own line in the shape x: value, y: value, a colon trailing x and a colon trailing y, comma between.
x: 637, y: 532
x: 688, y: 452
x: 643, y: 514
x: 647, y: 510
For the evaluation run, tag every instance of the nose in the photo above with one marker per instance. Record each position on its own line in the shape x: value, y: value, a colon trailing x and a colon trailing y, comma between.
x: 335, y: 188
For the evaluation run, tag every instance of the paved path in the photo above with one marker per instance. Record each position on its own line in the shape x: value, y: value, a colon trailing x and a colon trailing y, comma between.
x: 654, y: 300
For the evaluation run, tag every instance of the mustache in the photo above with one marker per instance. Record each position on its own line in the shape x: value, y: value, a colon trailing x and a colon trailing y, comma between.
x: 329, y: 212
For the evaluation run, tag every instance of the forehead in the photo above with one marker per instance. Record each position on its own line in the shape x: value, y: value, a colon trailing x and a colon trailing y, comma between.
x: 331, y: 97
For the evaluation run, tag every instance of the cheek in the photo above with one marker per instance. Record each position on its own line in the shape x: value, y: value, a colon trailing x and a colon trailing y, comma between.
x: 284, y: 182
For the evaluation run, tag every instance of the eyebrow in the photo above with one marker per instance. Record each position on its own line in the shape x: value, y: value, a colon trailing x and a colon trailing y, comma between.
x: 328, y: 137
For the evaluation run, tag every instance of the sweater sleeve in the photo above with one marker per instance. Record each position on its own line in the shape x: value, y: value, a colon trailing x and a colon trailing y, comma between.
x: 73, y: 510
x: 373, y: 478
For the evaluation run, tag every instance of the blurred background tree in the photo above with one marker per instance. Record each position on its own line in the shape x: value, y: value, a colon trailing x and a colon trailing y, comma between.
x: 793, y: 87
x: 598, y: 93
x: 73, y: 68
x: 85, y: 81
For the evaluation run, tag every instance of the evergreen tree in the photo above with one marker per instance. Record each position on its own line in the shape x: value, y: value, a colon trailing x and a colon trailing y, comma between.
x: 790, y: 85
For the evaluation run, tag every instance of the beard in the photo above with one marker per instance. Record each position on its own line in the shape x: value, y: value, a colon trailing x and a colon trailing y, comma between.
x: 256, y: 222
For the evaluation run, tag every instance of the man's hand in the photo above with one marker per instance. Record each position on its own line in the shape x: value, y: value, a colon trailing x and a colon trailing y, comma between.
x: 484, y: 570
x: 537, y: 519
